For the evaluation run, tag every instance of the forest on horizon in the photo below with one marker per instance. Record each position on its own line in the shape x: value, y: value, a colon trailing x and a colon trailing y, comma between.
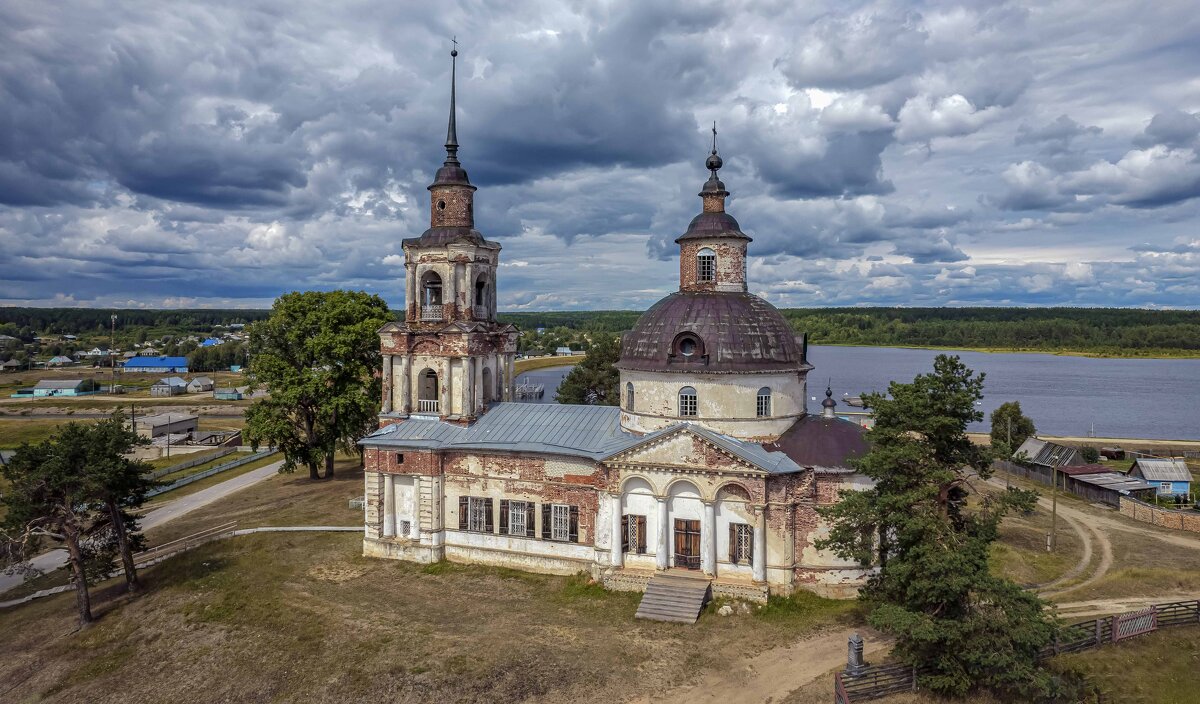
x: 1106, y: 331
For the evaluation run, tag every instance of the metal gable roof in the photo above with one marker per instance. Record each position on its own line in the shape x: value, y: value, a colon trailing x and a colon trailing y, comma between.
x: 1163, y: 470
x: 58, y: 383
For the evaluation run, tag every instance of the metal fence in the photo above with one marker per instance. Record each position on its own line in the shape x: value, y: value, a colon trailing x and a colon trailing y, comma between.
x: 195, y: 462
x: 209, y: 472
x: 882, y: 680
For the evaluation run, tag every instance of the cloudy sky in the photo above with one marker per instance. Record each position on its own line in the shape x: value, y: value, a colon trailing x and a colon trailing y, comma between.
x: 169, y: 154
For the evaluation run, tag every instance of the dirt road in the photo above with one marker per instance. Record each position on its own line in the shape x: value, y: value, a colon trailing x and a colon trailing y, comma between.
x: 772, y: 675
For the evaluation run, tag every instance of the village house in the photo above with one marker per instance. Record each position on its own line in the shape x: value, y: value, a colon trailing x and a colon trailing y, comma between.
x: 170, y: 386
x: 200, y: 384
x: 711, y: 467
x: 1170, y: 476
x: 60, y: 361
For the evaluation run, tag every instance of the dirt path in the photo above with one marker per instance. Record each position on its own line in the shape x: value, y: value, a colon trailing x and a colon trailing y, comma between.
x: 770, y: 676
x: 1101, y: 607
x: 1084, y: 560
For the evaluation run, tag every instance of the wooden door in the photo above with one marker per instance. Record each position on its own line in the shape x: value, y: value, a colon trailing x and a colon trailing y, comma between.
x: 687, y: 544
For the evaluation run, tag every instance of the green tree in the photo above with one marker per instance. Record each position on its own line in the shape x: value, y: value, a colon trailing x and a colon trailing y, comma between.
x: 933, y: 589
x: 1009, y: 418
x: 594, y: 380
x: 120, y: 484
x: 49, y: 501
x: 1089, y: 454
x: 318, y: 356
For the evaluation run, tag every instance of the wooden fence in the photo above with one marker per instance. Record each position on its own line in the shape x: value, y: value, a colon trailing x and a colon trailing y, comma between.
x: 882, y: 680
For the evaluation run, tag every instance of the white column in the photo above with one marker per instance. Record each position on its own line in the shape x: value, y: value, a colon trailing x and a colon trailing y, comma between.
x: 662, y: 553
x: 617, y: 556
x: 405, y: 403
x: 414, y: 500
x: 410, y: 290
x: 708, y: 542
x: 387, y: 383
x: 760, y: 544
x: 389, y: 506
x: 453, y: 290
x: 468, y: 379
x: 479, y: 393
x: 512, y: 376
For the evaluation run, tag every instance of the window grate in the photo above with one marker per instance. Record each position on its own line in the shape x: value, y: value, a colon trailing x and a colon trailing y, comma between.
x: 518, y: 513
x: 477, y: 512
x: 706, y: 265
x: 764, y: 405
x: 743, y: 550
x: 405, y: 528
x: 687, y: 403
x: 560, y: 522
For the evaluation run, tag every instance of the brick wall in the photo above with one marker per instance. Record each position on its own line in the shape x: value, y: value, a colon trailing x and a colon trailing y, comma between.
x: 731, y: 265
x: 458, y: 206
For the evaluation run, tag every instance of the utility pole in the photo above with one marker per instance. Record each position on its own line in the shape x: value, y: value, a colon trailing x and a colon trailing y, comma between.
x: 1054, y: 509
x: 112, y: 360
x: 1011, y: 452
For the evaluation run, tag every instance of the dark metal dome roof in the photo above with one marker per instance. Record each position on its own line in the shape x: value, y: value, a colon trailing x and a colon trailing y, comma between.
x: 739, y: 332
x: 713, y: 225
x: 451, y: 175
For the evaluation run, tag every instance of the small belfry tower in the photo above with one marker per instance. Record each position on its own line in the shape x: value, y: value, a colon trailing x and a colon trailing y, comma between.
x: 449, y: 357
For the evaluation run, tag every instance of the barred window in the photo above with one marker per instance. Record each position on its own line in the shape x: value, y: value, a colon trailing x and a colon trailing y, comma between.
x: 687, y: 401
x: 764, y: 402
x: 518, y: 515
x: 706, y: 265
x: 633, y: 534
x: 405, y: 528
x: 741, y: 543
x: 478, y: 514
x: 560, y: 526
x: 475, y: 513
x: 629, y: 396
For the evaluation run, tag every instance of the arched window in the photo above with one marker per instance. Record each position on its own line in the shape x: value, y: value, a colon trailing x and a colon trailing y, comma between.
x: 427, y: 392
x: 706, y: 265
x: 764, y: 402
x: 481, y: 290
x: 431, y: 296
x: 687, y: 402
x: 629, y: 396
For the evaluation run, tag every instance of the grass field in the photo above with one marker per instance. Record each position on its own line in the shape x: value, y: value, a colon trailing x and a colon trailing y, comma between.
x: 15, y: 432
x: 304, y: 617
x: 521, y: 366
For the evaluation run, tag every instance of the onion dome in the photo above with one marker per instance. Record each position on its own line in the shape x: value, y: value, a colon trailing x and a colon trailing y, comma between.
x: 713, y: 221
x: 711, y: 332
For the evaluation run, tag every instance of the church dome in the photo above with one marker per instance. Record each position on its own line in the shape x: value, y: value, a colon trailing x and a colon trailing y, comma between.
x: 711, y: 332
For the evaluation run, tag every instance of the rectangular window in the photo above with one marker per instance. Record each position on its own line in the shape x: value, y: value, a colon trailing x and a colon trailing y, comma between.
x: 707, y: 265
x: 517, y: 513
x: 475, y: 514
x: 741, y: 543
x: 764, y: 406
x: 399, y: 458
x: 1164, y: 487
x: 633, y: 534
x: 560, y: 522
x: 687, y: 404
x: 405, y: 528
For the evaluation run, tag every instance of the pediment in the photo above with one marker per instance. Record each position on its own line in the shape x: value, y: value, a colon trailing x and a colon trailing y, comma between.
x: 682, y: 448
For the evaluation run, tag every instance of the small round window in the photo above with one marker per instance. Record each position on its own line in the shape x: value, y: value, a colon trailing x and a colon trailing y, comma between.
x: 687, y: 347
x: 441, y: 205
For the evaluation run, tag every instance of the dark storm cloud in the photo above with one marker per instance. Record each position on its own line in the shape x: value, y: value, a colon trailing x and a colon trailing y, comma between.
x: 887, y: 152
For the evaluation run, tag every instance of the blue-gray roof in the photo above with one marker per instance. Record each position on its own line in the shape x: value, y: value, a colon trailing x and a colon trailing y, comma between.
x: 156, y: 362
x: 1163, y: 469
x: 593, y: 432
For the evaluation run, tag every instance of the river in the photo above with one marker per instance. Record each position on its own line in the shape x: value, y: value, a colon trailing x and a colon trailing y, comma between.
x: 1073, y: 396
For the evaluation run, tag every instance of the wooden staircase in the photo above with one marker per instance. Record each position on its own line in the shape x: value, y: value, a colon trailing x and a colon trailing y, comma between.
x: 675, y: 598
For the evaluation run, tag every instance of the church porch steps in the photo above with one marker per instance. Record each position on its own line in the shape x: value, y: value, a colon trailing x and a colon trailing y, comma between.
x: 677, y: 599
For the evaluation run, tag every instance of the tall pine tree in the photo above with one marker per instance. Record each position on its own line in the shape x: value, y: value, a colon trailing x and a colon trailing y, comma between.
x: 933, y: 589
x: 594, y: 380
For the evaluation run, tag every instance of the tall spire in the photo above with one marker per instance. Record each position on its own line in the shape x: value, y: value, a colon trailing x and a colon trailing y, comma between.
x: 714, y: 191
x: 451, y: 130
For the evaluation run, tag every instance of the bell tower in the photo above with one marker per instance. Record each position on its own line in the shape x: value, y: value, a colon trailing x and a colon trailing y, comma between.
x: 712, y: 253
x: 449, y: 358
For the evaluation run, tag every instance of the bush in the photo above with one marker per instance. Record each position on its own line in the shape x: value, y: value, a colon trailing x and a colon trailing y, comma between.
x: 1089, y: 454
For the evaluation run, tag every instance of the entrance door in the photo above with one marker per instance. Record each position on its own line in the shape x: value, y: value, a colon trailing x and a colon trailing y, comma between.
x: 687, y: 544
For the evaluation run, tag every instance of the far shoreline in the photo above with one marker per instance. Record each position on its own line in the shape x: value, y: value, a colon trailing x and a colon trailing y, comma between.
x: 1155, y: 354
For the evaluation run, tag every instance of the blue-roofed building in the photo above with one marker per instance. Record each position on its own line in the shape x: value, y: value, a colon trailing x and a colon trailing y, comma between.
x: 157, y: 365
x: 211, y: 342
x: 710, y: 464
